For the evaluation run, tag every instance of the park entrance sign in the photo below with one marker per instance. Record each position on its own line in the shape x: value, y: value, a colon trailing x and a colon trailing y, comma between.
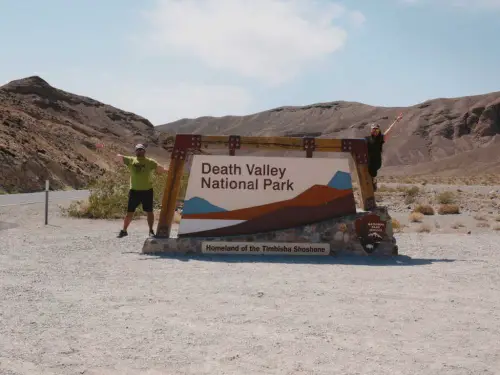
x: 236, y: 195
x: 236, y: 204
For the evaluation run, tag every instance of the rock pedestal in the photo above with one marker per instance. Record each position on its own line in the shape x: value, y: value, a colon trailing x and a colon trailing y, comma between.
x: 363, y: 233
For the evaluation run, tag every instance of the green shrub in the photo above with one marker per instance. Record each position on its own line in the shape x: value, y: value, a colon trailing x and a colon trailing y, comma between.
x: 425, y: 209
x: 109, y: 195
x: 446, y: 197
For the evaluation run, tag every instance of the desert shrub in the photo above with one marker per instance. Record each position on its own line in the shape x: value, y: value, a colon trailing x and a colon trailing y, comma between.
x: 496, y: 227
x: 482, y: 224
x: 412, y: 191
x: 411, y: 194
x: 449, y: 209
x: 109, y: 195
x: 457, y: 225
x: 424, y: 209
x: 416, y: 217
x: 396, y: 225
x: 446, y: 197
x: 424, y: 228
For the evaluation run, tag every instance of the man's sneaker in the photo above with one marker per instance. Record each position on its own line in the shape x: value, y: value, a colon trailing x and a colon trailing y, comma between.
x: 122, y: 233
x: 151, y: 233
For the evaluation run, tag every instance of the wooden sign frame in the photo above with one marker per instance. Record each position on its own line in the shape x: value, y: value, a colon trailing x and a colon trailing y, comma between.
x: 186, y: 143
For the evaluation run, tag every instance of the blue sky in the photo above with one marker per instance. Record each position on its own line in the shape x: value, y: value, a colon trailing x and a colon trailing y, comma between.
x: 171, y: 59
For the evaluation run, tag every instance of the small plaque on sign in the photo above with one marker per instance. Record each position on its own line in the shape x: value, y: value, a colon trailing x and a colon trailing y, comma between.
x: 370, y: 225
x: 271, y: 248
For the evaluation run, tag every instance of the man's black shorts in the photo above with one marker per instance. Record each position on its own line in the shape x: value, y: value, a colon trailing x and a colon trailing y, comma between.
x: 137, y: 197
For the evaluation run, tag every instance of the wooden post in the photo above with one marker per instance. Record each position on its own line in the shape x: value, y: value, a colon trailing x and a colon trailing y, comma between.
x: 169, y: 198
x: 359, y: 151
x: 183, y: 143
x: 365, y: 187
x: 46, y: 202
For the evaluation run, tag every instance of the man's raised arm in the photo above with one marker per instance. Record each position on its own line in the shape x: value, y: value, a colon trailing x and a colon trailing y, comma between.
x: 122, y: 158
x: 386, y: 133
x: 161, y: 169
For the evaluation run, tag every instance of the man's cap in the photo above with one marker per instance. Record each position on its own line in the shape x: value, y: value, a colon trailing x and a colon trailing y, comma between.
x: 375, y: 126
x: 140, y: 146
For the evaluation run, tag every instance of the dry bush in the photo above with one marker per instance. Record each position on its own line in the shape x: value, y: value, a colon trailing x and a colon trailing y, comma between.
x: 386, y: 189
x: 396, y: 225
x: 416, y: 217
x: 483, y: 179
x: 109, y: 195
x: 497, y: 218
x: 457, y: 225
x: 425, y: 209
x: 446, y: 197
x: 424, y: 228
x: 496, y: 227
x: 480, y: 217
x: 482, y: 224
x: 448, y: 209
x: 411, y: 194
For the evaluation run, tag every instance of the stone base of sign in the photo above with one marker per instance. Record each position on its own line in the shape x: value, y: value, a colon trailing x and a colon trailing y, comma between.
x: 364, y: 233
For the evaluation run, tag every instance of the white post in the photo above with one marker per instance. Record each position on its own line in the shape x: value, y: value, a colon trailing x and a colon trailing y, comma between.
x: 46, y: 202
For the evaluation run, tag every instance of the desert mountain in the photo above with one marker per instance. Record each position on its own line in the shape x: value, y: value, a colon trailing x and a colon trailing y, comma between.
x: 452, y: 136
x: 49, y: 133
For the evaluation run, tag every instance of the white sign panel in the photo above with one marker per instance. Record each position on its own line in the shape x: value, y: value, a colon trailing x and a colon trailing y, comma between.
x: 271, y: 248
x: 245, y: 194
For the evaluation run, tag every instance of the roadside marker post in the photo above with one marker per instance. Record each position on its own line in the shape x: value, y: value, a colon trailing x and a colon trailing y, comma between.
x: 46, y: 202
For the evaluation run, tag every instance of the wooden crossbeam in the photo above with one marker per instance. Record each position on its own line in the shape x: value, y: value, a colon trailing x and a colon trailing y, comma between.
x: 186, y: 144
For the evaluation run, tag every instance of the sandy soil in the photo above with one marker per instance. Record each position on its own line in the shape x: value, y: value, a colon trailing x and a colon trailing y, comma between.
x: 479, y: 207
x: 76, y: 300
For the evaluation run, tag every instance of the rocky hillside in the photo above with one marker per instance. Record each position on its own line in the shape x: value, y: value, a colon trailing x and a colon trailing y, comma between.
x: 441, y: 136
x: 49, y: 133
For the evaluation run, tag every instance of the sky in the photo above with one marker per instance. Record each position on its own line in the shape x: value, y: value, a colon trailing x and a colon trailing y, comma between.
x: 173, y: 59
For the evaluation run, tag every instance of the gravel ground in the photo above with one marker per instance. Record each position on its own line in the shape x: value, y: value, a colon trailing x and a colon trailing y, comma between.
x: 76, y: 300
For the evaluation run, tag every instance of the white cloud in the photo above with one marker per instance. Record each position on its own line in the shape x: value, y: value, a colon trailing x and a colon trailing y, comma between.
x: 270, y: 40
x: 357, y: 18
x: 183, y: 100
x: 160, y: 101
x: 469, y: 4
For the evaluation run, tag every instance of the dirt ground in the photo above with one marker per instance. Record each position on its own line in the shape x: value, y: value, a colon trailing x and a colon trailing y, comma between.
x: 478, y: 207
x: 77, y: 300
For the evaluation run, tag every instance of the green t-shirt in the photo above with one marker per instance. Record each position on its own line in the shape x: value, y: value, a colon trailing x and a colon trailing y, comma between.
x: 141, y: 170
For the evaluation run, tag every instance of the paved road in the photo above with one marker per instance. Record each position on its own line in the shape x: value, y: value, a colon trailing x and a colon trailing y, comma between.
x: 31, y: 198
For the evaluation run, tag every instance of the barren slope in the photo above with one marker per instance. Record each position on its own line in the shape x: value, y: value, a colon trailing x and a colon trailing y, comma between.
x: 50, y: 133
x: 444, y: 136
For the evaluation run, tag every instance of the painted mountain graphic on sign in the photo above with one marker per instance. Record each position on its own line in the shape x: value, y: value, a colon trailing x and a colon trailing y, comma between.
x: 318, y: 203
x: 316, y: 195
x: 341, y: 181
x: 283, y: 218
x: 339, y: 186
x: 197, y: 205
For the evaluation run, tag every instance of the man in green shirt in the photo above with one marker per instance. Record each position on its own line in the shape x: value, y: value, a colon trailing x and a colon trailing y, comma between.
x: 141, y: 187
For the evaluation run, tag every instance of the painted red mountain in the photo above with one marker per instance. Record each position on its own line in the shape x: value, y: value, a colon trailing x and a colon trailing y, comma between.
x: 314, y: 196
x: 317, y: 203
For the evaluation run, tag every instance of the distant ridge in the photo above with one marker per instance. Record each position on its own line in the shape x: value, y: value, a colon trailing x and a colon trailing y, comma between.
x: 444, y: 136
x: 48, y: 133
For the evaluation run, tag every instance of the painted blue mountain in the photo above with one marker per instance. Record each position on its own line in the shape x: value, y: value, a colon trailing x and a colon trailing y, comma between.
x: 197, y: 205
x: 341, y: 181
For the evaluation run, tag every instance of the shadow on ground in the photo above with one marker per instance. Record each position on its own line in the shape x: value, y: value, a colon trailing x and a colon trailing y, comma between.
x: 399, y: 260
x: 4, y: 225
